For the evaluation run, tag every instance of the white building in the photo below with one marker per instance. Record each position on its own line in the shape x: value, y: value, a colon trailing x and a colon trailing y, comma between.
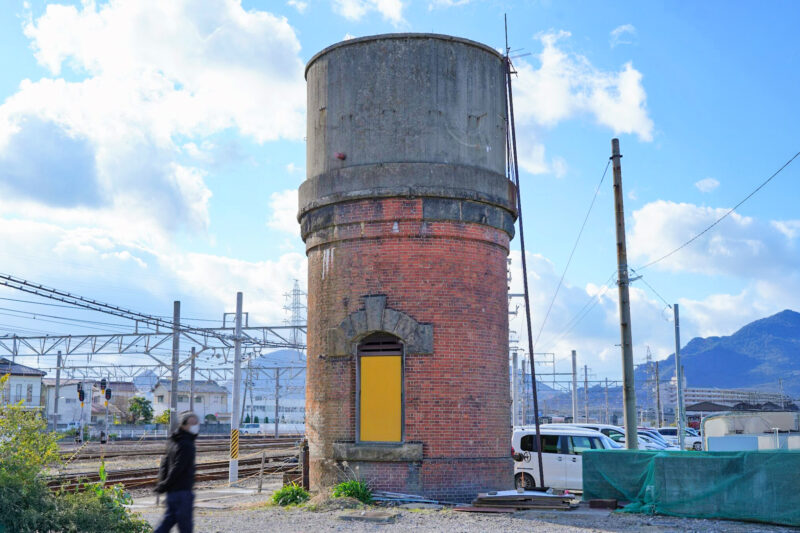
x: 209, y: 399
x: 24, y: 385
x: 69, y: 407
x: 727, y: 397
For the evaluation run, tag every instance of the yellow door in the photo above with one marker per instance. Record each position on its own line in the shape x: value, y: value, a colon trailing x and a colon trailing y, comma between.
x: 381, y: 398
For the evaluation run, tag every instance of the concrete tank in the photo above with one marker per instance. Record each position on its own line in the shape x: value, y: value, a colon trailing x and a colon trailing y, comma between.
x: 407, y: 216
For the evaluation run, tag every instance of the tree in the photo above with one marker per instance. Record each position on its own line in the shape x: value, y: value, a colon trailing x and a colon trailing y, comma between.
x: 255, y: 419
x: 210, y: 418
x: 163, y: 418
x: 247, y: 419
x: 27, y: 451
x: 140, y: 410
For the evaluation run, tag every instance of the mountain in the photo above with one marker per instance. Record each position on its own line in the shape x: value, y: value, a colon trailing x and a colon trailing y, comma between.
x: 755, y: 357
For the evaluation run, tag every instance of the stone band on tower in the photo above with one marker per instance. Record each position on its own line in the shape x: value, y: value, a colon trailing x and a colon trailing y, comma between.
x: 407, y: 216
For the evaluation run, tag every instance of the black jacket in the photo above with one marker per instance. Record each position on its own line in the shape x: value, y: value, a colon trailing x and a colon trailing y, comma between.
x: 177, y: 466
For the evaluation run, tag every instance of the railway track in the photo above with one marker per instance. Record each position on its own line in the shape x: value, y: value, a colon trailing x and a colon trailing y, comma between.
x: 108, y: 451
x: 143, y: 478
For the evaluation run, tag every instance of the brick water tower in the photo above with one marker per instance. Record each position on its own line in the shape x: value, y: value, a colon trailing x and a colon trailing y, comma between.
x: 407, y: 216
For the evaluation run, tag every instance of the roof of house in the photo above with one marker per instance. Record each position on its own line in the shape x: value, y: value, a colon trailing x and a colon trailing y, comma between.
x: 199, y: 386
x: 118, y: 386
x: 15, y: 369
x: 51, y: 382
x: 707, y: 407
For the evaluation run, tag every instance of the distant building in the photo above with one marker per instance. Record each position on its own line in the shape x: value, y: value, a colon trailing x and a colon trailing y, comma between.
x: 69, y: 407
x: 24, y: 384
x: 209, y: 399
x: 726, y: 397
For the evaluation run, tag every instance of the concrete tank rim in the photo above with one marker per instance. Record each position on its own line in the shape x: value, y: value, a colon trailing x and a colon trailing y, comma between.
x: 398, y: 36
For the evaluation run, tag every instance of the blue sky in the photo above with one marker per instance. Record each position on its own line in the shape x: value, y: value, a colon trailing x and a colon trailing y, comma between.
x: 151, y: 152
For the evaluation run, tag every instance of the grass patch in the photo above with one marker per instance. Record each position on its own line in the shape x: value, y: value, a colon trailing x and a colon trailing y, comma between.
x: 353, y: 489
x: 292, y: 494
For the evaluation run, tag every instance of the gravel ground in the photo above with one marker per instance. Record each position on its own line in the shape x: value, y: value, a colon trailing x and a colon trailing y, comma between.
x: 268, y: 518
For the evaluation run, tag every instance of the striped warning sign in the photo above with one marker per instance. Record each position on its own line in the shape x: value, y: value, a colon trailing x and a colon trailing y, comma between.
x: 234, y: 444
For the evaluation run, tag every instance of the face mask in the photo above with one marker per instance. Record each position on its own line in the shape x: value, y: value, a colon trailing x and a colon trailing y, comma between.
x: 195, y: 429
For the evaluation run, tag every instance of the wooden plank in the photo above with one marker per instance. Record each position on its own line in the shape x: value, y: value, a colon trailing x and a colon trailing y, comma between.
x: 472, y: 509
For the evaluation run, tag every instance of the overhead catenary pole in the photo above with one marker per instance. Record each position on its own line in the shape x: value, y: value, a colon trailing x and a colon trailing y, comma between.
x: 628, y: 386
x: 233, y: 471
x: 586, y: 393
x: 191, y: 382
x: 680, y: 422
x: 524, y: 393
x: 659, y: 417
x: 58, y: 391
x: 608, y: 419
x: 277, y: 396
x: 514, y: 389
x: 524, y: 265
x: 176, y: 357
x: 574, y: 387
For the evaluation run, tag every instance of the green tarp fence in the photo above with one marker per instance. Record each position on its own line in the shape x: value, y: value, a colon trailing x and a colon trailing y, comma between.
x: 759, y: 486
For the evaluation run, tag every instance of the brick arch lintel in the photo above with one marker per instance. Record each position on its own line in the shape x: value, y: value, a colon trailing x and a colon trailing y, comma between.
x: 376, y: 317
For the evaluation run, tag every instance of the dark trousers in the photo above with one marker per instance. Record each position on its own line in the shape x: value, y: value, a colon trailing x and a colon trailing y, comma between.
x: 179, y: 511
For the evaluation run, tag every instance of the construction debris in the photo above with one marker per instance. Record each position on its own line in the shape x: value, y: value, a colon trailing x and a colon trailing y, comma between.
x: 515, y: 499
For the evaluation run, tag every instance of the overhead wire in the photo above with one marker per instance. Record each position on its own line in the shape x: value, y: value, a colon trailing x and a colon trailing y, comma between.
x: 571, y: 255
x: 723, y: 217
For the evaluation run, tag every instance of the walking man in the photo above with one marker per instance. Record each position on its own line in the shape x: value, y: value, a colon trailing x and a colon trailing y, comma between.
x: 176, y: 475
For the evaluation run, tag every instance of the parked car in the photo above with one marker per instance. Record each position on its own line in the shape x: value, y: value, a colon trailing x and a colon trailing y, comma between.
x: 252, y: 428
x: 617, y: 435
x: 562, y: 447
x: 691, y: 439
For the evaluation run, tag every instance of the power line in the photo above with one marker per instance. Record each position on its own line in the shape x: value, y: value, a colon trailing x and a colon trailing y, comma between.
x: 571, y: 254
x: 581, y: 314
x: 723, y: 217
x: 641, y: 278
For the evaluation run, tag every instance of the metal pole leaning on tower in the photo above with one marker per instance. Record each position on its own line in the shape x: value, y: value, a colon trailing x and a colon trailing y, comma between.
x: 628, y: 388
x: 233, y: 473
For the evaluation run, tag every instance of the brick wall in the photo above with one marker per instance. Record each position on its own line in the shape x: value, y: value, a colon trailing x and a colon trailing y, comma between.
x: 457, y: 402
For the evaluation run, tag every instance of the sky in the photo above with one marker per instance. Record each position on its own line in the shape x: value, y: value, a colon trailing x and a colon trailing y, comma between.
x: 151, y: 151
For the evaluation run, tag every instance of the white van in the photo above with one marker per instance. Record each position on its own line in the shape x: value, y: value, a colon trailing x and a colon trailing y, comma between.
x: 561, y: 455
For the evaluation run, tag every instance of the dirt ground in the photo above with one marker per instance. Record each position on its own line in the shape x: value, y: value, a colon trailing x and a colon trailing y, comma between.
x: 225, y: 510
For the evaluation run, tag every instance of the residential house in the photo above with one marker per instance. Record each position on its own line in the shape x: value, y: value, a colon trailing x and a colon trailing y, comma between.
x: 121, y: 394
x: 209, y: 399
x: 24, y: 384
x: 69, y: 406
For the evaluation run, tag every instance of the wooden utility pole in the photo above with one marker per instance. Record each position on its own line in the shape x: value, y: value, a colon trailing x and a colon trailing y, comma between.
x: 628, y: 387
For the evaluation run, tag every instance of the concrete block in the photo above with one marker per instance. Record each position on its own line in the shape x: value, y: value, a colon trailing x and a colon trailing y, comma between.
x: 390, y: 319
x: 337, y: 343
x: 374, y: 306
x: 376, y: 517
x: 354, y: 452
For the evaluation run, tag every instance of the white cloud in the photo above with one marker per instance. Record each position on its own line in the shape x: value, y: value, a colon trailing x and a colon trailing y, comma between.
x: 348, y: 36
x: 566, y: 85
x: 283, y: 212
x: 145, y: 82
x: 739, y: 246
x: 532, y: 158
x: 706, y: 185
x: 299, y: 5
x: 105, y: 265
x: 446, y: 3
x: 391, y: 10
x: 624, y: 34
